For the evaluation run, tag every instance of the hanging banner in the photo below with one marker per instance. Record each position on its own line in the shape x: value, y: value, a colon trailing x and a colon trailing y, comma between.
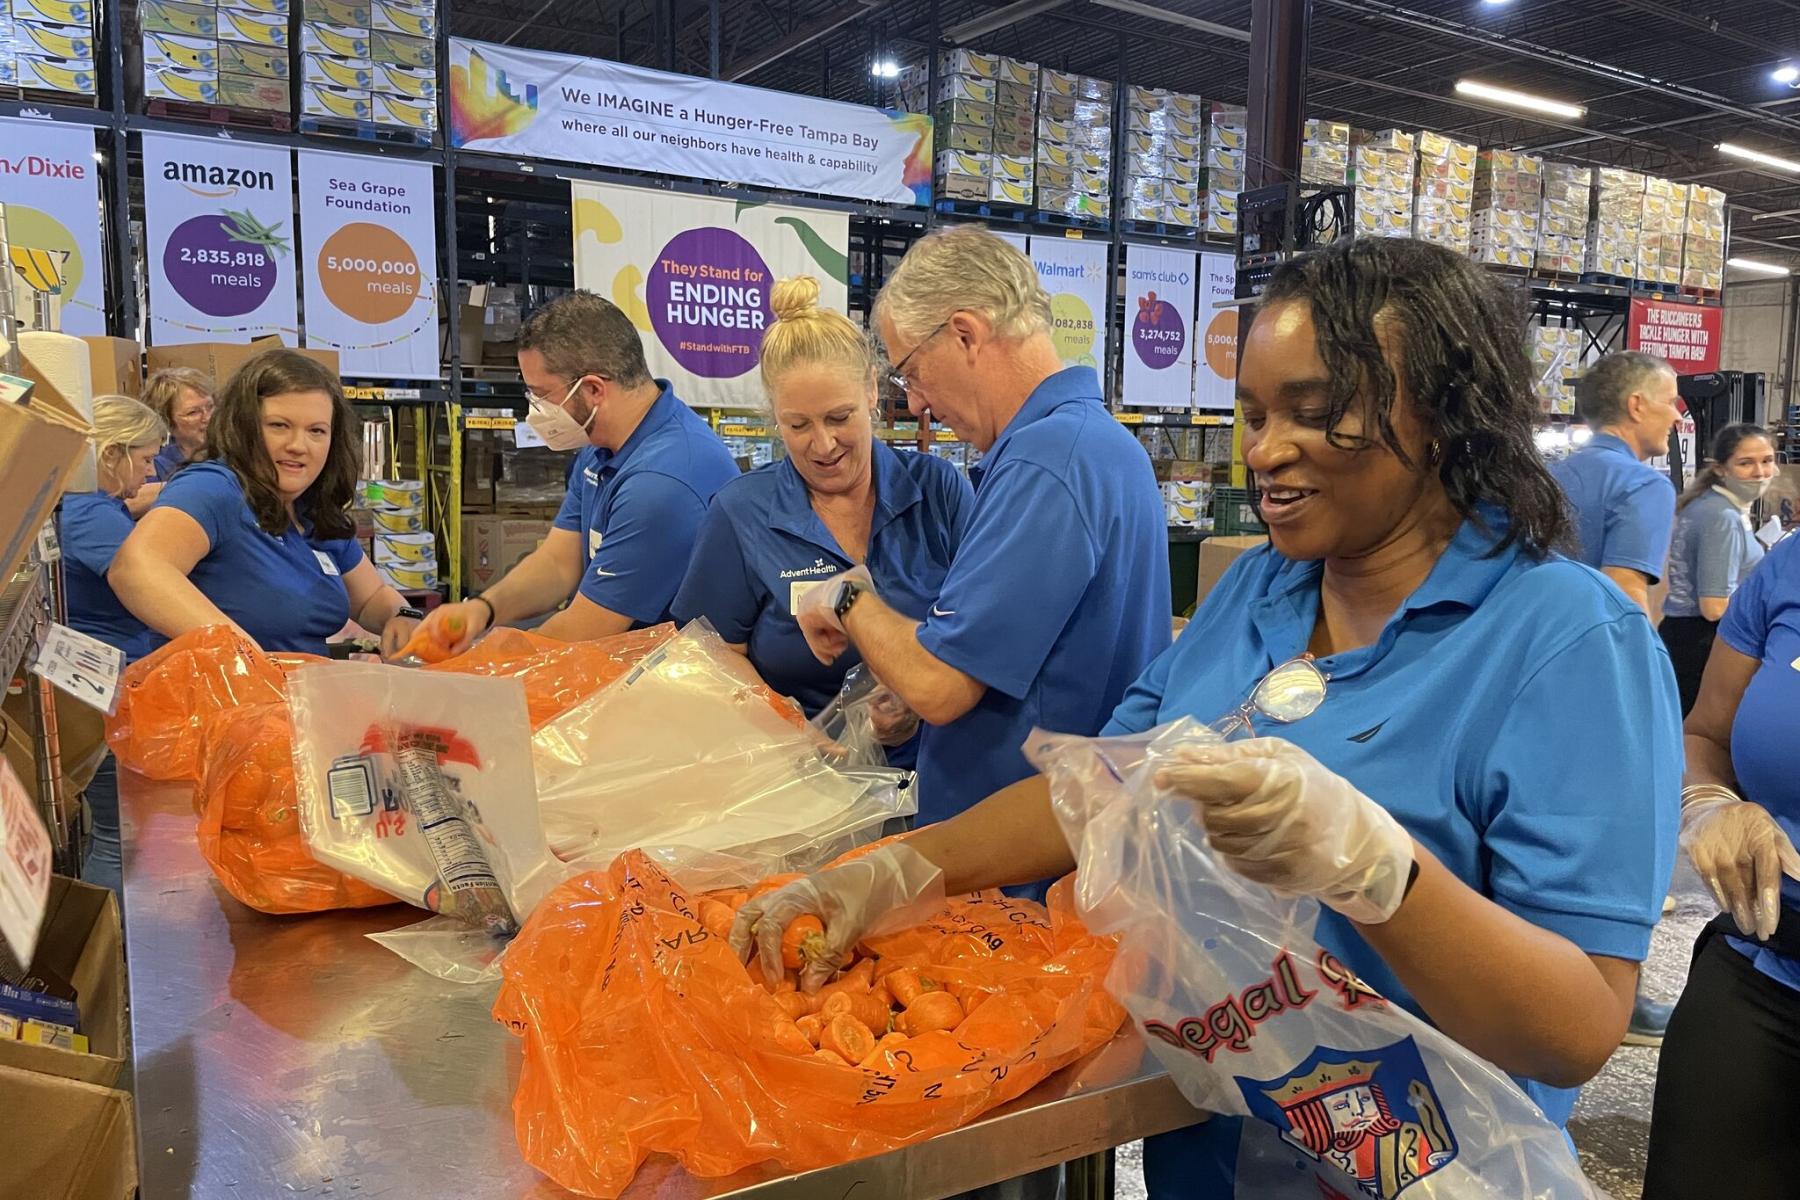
x: 369, y: 233
x: 1215, y: 369
x: 1686, y: 335
x: 587, y: 110
x: 694, y: 275
x: 219, y: 236
x: 1074, y: 273
x: 50, y: 185
x: 1159, y: 327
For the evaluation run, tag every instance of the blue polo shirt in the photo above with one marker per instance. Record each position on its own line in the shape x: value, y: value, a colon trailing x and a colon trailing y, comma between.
x: 1059, y: 593
x: 762, y: 545
x: 1518, y: 716
x: 639, y: 509
x: 1762, y: 622
x: 286, y: 591
x: 1714, y: 548
x: 1624, y: 509
x: 168, y: 460
x: 94, y: 526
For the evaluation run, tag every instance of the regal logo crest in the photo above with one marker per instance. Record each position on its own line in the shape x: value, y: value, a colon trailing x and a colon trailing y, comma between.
x: 1371, y: 1114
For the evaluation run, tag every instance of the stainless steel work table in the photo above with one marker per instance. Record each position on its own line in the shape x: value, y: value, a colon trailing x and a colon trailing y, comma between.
x: 292, y: 1057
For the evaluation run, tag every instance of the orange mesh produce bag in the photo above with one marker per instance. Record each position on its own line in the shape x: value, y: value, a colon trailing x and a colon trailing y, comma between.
x: 644, y: 1034
x: 556, y: 674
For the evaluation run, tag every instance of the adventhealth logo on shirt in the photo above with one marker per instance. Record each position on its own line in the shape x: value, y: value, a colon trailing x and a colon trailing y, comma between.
x: 819, y: 567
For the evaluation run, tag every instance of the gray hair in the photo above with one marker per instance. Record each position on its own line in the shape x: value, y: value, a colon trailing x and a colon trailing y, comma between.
x: 121, y: 423
x: 965, y: 268
x: 581, y: 334
x: 1603, y: 389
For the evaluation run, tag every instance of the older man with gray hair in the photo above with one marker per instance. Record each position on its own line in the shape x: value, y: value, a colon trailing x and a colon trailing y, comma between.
x: 1058, y: 595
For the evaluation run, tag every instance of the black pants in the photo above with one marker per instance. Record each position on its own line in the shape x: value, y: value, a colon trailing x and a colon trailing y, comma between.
x: 1689, y: 641
x: 1723, y: 1124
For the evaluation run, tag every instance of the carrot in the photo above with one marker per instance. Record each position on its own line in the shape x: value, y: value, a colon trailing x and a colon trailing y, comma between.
x: 787, y: 1037
x: 802, y: 942
x: 789, y: 982
x: 794, y: 1004
x: 863, y: 1006
x: 906, y: 984
x: 846, y: 1037
x: 835, y: 1059
x: 812, y: 1027
x: 975, y: 999
x: 773, y: 882
x: 716, y: 918
x: 862, y: 974
x: 929, y: 1011
x: 732, y: 899
x: 878, y: 1057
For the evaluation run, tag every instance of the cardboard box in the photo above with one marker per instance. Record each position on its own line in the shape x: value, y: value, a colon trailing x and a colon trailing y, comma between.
x: 493, y: 545
x: 42, y: 442
x: 1216, y: 556
x: 79, y: 1140
x: 220, y: 360
x: 81, y: 942
x: 117, y: 365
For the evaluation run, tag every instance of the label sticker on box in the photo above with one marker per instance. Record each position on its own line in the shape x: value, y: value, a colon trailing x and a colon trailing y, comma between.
x: 24, y: 867
x: 85, y: 667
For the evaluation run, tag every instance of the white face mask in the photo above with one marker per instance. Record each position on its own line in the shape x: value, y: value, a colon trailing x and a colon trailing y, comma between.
x: 553, y: 423
x: 1747, y: 491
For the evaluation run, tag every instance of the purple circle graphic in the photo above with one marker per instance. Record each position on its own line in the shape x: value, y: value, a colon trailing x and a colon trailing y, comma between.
x: 1158, y: 333
x: 708, y: 296
x: 214, y: 272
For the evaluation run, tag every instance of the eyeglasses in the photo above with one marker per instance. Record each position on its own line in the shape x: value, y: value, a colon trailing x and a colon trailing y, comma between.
x: 545, y: 401
x: 1291, y: 691
x: 897, y: 376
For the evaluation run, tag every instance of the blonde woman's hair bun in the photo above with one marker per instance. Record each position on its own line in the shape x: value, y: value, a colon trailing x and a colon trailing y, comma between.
x: 794, y: 298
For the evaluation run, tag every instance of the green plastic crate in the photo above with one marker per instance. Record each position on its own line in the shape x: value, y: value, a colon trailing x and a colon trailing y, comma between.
x: 1234, y: 512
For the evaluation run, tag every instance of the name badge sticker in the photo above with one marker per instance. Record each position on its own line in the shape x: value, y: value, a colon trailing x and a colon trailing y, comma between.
x: 325, y: 563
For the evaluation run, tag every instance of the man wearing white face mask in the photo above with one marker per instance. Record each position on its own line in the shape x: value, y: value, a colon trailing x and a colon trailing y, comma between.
x: 646, y: 470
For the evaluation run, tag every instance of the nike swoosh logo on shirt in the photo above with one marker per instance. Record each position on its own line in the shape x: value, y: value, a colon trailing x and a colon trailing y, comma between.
x: 600, y: 574
x: 938, y: 612
x: 1365, y: 735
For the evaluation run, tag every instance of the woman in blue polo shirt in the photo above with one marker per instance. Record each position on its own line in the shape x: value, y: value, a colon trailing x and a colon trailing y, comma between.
x: 1500, y: 723
x: 259, y: 535
x: 1726, y: 1075
x: 95, y: 524
x: 840, y: 498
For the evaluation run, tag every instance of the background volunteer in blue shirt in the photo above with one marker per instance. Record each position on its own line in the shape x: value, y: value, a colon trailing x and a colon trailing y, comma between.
x: 183, y: 398
x: 95, y: 524
x: 1714, y: 548
x: 259, y: 535
x: 1058, y: 594
x: 1516, y: 857
x: 637, y: 491
x: 1625, y: 510
x: 1723, y: 1120
x: 840, y: 498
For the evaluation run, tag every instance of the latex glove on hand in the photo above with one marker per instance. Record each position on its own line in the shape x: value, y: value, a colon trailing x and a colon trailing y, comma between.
x: 398, y: 639
x: 824, y: 633
x: 885, y: 890
x: 1280, y: 818
x: 894, y: 722
x: 1742, y: 854
x: 446, y: 631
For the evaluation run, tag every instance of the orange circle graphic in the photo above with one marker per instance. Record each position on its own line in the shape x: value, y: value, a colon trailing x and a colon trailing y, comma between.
x: 370, y: 273
x: 1221, y: 344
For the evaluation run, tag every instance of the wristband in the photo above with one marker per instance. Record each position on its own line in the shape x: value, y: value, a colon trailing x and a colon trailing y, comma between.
x: 489, y: 605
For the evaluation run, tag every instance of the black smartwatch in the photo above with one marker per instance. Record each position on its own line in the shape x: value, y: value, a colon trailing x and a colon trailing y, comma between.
x: 410, y: 613
x: 847, y: 593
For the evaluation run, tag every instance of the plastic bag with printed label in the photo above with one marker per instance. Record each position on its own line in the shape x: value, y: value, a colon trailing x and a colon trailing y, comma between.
x: 644, y: 1034
x: 420, y: 785
x: 1350, y: 1095
x: 691, y: 749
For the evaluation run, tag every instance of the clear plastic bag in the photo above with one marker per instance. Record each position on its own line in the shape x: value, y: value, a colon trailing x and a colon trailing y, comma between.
x: 421, y: 785
x: 691, y: 749
x: 1252, y: 1018
x: 556, y: 675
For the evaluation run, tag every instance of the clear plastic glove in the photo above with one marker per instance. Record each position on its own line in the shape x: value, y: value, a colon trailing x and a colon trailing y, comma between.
x: 1741, y: 852
x: 894, y: 722
x: 1280, y: 818
x: 886, y: 890
x: 824, y: 633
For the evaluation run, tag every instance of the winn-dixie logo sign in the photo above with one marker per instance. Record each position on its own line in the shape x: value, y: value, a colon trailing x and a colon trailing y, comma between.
x: 221, y: 179
x: 36, y: 166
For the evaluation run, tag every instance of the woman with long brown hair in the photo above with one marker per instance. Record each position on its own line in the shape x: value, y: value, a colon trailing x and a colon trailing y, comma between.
x: 259, y: 535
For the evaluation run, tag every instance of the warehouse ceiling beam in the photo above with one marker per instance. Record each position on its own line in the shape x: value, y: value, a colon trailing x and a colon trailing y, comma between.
x: 999, y: 18
x: 1692, y: 21
x: 800, y: 38
x: 1137, y: 8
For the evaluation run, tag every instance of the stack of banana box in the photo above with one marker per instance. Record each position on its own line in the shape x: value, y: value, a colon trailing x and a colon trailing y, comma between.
x: 1381, y: 171
x: 968, y: 83
x: 1509, y: 192
x: 1660, y: 232
x: 1703, y: 250
x: 1445, y: 192
x: 1555, y: 363
x: 1618, y: 219
x: 232, y: 53
x: 1325, y: 154
x: 404, y: 550
x: 370, y: 60
x: 1563, y: 218
x: 48, y: 46
x: 1227, y: 137
x: 1165, y: 158
x: 1074, y: 145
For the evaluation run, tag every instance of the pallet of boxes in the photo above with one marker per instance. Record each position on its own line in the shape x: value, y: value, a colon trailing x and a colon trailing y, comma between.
x: 986, y: 113
x: 1382, y: 166
x: 1074, y: 146
x: 1165, y: 160
x: 47, y: 46
x: 1563, y: 220
x: 1660, y: 229
x: 1508, y: 198
x: 1612, y: 246
x: 1703, y: 246
x: 1227, y: 137
x: 1444, y: 191
x: 232, y: 54
x: 1325, y: 154
x: 370, y: 62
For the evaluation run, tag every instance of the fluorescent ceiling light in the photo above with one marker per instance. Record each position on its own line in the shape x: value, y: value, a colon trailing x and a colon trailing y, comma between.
x: 1757, y: 156
x: 1525, y: 100
x: 1786, y: 73
x: 884, y: 68
x: 1760, y: 268
x: 1175, y: 18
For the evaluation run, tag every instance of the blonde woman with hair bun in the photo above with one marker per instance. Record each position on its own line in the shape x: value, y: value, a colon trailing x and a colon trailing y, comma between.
x: 839, y: 499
